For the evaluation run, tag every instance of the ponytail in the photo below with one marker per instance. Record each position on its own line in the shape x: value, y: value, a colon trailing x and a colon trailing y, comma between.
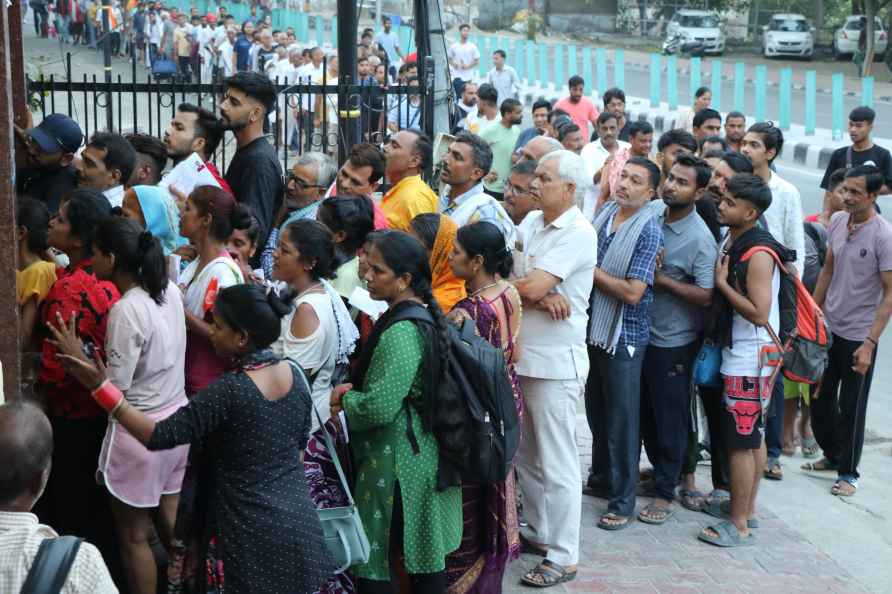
x: 137, y: 253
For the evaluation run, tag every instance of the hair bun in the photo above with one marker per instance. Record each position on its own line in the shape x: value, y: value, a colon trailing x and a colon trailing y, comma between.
x: 280, y: 304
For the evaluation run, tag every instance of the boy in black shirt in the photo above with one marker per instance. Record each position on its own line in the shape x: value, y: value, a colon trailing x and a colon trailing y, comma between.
x: 862, y: 151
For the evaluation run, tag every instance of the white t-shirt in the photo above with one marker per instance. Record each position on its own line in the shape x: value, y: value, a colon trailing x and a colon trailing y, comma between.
x: 784, y: 217
x: 463, y: 53
x: 595, y: 155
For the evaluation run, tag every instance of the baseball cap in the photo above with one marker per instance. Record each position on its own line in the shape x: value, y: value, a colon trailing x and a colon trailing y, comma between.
x: 57, y: 132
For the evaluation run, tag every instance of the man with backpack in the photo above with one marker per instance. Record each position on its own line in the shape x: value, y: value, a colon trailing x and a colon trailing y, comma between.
x: 747, y: 286
x: 31, y: 553
x: 855, y: 290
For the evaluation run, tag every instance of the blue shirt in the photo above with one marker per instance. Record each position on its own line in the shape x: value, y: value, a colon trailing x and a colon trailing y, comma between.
x: 242, y: 50
x: 636, y: 322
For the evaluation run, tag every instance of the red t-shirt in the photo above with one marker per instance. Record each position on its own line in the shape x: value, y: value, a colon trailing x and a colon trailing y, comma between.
x: 76, y: 292
x: 218, y: 177
x: 581, y: 113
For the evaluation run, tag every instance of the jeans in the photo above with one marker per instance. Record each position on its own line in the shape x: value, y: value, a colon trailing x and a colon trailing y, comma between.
x: 666, y: 411
x: 713, y: 405
x: 838, y: 414
x: 613, y: 407
x: 774, y: 423
x: 90, y: 33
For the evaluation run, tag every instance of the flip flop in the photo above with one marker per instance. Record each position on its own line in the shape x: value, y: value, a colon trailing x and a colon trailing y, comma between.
x: 549, y: 574
x: 809, y: 447
x: 667, y: 512
x: 691, y: 499
x: 613, y: 527
x: 728, y: 536
x: 528, y: 548
x: 822, y: 465
x: 773, y: 470
x: 722, y: 511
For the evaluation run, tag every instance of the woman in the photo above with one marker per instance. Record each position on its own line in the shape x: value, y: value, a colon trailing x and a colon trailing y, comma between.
x: 490, y: 539
x: 351, y: 219
x: 34, y: 276
x: 146, y: 348
x: 317, y: 333
x: 242, y: 246
x: 437, y: 233
x: 702, y: 100
x: 73, y: 502
x: 242, y: 47
x: 390, y: 416
x: 209, y: 217
x: 156, y: 212
x: 253, y: 422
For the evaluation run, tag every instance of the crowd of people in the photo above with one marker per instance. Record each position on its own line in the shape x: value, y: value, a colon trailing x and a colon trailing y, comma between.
x: 188, y: 352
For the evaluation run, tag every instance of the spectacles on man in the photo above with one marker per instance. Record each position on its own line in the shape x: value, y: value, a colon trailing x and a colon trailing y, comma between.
x: 517, y: 190
x: 300, y: 184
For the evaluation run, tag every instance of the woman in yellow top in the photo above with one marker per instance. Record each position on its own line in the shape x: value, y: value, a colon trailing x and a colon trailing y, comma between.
x: 34, y: 275
x: 437, y: 232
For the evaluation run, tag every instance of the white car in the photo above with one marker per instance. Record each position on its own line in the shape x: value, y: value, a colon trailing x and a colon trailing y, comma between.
x: 845, y: 41
x: 698, y: 25
x: 788, y: 35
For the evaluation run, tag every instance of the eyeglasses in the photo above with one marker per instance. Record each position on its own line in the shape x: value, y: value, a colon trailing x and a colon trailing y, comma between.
x: 517, y: 190
x: 301, y: 184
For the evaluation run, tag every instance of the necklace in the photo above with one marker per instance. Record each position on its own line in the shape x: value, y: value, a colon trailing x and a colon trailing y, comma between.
x: 308, y: 289
x: 483, y: 288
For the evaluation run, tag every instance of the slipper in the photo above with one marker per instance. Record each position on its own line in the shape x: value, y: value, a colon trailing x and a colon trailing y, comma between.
x: 822, y: 465
x: 809, y: 447
x: 528, y: 548
x: 549, y: 574
x: 719, y: 495
x: 773, y: 470
x: 665, y: 513
x: 728, y: 536
x: 722, y: 511
x: 691, y: 499
x: 843, y: 488
x: 612, y: 527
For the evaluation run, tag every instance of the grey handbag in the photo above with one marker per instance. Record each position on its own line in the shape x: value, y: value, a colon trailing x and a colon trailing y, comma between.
x: 341, y: 526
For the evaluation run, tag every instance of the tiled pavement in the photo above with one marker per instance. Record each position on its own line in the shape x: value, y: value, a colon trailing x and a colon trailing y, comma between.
x: 668, y: 559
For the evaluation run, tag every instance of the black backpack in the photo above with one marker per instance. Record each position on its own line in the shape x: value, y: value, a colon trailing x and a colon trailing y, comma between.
x: 477, y: 375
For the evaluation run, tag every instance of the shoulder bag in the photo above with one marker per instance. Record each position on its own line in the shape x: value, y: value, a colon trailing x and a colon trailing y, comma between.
x: 51, y: 566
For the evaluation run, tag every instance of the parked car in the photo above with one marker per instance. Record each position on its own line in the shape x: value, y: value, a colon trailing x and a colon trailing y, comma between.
x: 788, y: 35
x: 845, y: 41
x: 698, y: 25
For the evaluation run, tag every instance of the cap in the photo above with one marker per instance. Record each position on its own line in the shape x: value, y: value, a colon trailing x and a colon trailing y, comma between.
x: 57, y: 132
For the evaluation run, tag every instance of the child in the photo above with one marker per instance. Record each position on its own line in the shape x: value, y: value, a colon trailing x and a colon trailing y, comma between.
x: 34, y: 275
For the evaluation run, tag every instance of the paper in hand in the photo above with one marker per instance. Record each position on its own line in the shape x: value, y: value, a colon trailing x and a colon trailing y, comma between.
x: 189, y: 173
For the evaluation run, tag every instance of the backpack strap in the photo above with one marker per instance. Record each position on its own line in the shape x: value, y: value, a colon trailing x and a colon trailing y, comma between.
x: 762, y: 248
x: 51, y: 566
x: 820, y: 242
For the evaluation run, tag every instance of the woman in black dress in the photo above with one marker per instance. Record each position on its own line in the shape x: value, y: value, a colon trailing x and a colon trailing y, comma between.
x: 254, y: 423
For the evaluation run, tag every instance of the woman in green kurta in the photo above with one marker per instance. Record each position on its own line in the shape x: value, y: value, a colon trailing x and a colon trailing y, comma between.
x: 396, y: 479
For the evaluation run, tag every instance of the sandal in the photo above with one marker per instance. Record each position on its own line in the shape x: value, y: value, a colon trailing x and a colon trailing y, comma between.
x: 726, y: 535
x: 843, y: 488
x: 809, y: 447
x: 773, y: 470
x: 822, y: 465
x: 656, y: 515
x: 619, y: 522
x: 528, y: 548
x: 722, y: 511
x: 547, y: 574
x: 691, y: 499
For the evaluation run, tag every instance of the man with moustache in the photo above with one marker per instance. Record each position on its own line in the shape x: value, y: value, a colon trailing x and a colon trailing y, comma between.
x: 735, y: 128
x: 501, y: 137
x: 465, y: 117
x: 106, y: 164
x: 254, y: 174
x: 44, y: 168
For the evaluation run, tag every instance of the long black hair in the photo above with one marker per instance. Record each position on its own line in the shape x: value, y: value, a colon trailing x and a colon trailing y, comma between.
x: 484, y: 239
x: 351, y: 215
x: 314, y: 242
x: 255, y: 311
x: 137, y: 253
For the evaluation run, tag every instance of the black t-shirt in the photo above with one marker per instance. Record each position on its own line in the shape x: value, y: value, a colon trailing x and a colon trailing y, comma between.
x: 875, y: 155
x: 46, y: 186
x: 708, y: 211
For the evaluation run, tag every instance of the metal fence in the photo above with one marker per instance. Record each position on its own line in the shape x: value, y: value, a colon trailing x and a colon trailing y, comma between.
x: 350, y: 112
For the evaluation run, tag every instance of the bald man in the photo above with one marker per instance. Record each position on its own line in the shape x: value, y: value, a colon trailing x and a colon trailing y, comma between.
x: 26, y: 451
x: 538, y: 147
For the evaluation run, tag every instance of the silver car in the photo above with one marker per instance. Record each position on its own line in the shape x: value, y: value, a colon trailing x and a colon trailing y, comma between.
x: 788, y: 35
x: 698, y: 25
x: 845, y: 41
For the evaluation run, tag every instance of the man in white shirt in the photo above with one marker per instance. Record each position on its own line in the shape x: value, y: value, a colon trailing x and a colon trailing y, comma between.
x: 204, y: 37
x: 762, y: 144
x: 154, y: 31
x: 503, y: 77
x: 226, y: 53
x: 555, y: 266
x: 466, y: 113
x: 463, y: 58
x: 468, y: 160
x: 596, y: 156
x: 106, y: 164
x: 487, y: 106
x: 26, y: 450
x: 306, y: 74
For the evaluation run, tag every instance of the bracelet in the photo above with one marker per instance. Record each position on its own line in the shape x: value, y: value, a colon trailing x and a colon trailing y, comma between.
x: 108, y: 396
x: 872, y: 340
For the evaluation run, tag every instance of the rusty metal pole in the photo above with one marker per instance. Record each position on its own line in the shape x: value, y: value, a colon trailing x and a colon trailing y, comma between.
x: 10, y: 354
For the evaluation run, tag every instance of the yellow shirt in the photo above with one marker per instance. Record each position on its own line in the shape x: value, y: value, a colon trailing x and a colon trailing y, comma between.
x: 409, y: 198
x: 34, y: 281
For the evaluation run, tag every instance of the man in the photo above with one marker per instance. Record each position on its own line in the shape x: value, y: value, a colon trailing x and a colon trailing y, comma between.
x: 311, y: 175
x: 539, y: 147
x: 44, y: 169
x: 581, y: 109
x: 709, y: 144
x: 762, y: 144
x: 570, y: 136
x: 735, y: 128
x: 540, y: 117
x: 629, y: 239
x: 254, y: 174
x: 751, y: 294
x: 106, y: 164
x: 862, y: 150
x: 204, y: 38
x: 518, y: 199
x: 556, y: 117
x: 466, y: 163
x: 151, y: 158
x: 309, y: 72
x: 501, y: 138
x: 615, y: 103
x: 556, y: 263
x: 487, y: 106
x: 194, y: 129
x: 359, y: 176
x: 595, y: 154
x: 672, y: 144
x: 26, y: 449
x: 407, y: 153
x: 641, y: 137
x: 389, y: 41
x: 464, y: 57
x: 465, y: 117
x: 182, y: 42
x: 406, y: 111
x: 707, y: 122
x: 154, y: 32
x: 855, y: 292
x: 683, y: 285
x: 225, y: 53
x: 503, y: 77
x: 266, y: 55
